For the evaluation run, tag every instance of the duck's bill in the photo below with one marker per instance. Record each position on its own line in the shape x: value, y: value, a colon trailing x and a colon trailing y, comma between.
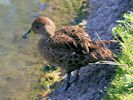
x: 25, y: 35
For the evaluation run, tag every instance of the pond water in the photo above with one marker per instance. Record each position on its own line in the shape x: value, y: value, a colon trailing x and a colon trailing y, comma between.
x: 20, y: 61
x: 18, y: 64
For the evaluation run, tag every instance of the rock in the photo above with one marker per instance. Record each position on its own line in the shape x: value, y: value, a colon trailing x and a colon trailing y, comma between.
x: 103, y: 15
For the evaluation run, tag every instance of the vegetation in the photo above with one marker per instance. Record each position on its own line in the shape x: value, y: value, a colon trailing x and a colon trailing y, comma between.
x: 64, y: 12
x: 121, y: 87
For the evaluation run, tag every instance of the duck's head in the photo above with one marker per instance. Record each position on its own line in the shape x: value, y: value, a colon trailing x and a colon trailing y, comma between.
x: 42, y: 25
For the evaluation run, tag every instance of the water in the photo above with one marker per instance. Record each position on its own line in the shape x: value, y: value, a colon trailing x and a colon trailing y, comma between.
x: 20, y: 61
x: 18, y: 64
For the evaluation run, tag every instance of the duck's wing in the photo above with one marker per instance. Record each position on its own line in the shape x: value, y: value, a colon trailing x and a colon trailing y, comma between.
x: 84, y: 39
x: 72, y: 38
x: 102, y: 43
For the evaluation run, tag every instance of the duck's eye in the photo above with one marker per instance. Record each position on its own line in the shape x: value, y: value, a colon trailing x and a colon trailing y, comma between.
x: 37, y: 27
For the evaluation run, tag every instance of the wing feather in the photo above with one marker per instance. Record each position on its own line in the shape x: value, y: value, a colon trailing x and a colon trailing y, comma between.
x: 76, y: 39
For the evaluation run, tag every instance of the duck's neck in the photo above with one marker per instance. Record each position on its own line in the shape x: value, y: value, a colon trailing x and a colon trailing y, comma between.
x: 50, y: 29
x: 42, y: 42
x: 46, y: 38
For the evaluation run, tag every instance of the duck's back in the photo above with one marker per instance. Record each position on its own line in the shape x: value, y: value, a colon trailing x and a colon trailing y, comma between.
x: 66, y: 49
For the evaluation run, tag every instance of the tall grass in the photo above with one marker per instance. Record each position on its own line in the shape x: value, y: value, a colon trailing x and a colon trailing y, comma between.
x: 121, y: 87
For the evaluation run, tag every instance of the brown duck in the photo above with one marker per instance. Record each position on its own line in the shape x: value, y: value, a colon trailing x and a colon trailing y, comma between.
x: 70, y: 47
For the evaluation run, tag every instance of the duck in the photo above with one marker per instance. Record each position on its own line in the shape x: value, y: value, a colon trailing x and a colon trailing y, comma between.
x: 70, y: 47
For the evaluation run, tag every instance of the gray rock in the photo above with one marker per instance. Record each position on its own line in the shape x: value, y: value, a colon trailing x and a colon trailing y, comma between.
x: 103, y: 14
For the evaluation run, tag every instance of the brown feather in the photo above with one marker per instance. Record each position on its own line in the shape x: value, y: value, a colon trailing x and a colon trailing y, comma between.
x: 74, y: 37
x: 70, y: 47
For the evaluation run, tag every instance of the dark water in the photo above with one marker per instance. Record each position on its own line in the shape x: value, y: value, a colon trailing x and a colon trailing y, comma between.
x: 18, y: 64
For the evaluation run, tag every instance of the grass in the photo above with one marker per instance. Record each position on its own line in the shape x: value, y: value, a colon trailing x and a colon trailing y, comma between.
x: 121, y: 87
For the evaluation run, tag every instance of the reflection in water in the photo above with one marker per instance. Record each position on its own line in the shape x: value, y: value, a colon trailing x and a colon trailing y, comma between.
x: 17, y: 63
x: 5, y: 2
x: 43, y: 6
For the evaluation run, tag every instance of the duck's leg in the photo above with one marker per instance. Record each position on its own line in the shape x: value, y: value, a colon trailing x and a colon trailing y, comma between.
x: 71, y: 77
x: 75, y: 76
x: 67, y: 83
x: 69, y: 80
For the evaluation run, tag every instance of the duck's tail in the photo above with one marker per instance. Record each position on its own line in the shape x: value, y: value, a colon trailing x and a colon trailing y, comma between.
x: 103, y: 43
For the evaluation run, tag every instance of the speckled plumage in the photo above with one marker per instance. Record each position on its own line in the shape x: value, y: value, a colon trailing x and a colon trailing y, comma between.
x: 70, y: 57
x: 70, y: 47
